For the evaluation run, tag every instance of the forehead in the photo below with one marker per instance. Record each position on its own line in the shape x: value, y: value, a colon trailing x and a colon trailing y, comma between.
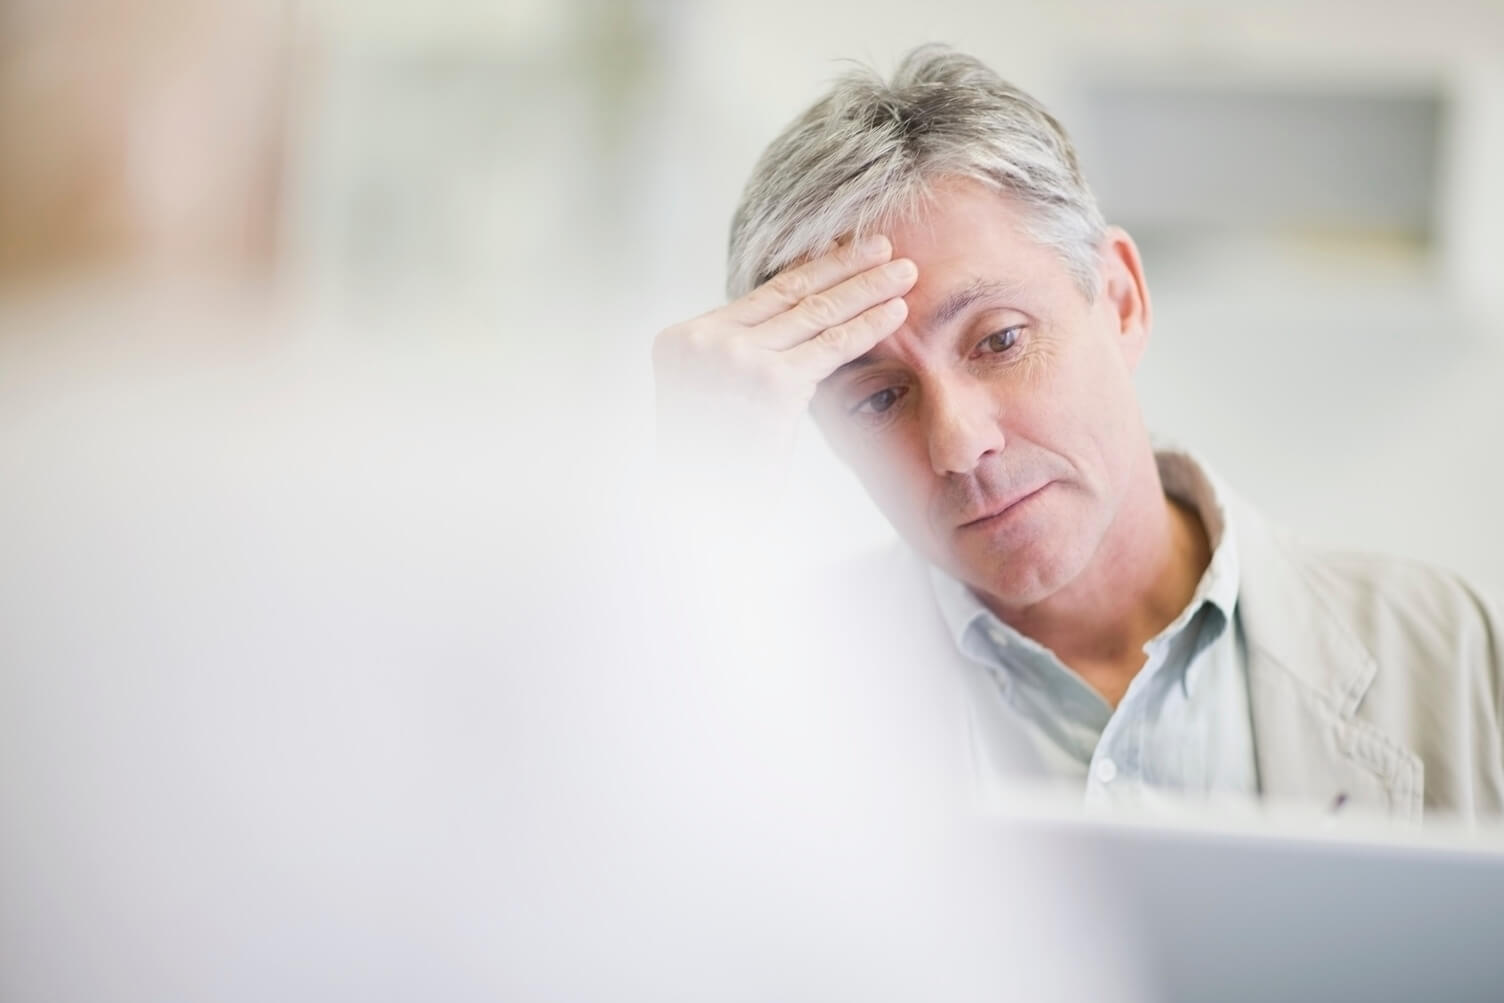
x: 966, y: 233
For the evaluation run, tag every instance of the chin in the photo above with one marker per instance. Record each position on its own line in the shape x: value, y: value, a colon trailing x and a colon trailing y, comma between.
x: 1020, y: 577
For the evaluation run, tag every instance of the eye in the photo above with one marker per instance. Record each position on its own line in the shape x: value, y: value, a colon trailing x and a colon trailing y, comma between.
x: 997, y: 344
x: 879, y: 402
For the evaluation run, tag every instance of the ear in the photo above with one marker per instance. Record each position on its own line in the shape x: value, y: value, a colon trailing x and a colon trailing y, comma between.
x: 1125, y: 294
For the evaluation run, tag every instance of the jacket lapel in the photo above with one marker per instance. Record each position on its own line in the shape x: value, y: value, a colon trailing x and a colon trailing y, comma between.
x: 1307, y: 675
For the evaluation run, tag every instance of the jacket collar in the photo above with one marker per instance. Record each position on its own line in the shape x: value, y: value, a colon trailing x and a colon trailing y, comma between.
x: 1307, y: 675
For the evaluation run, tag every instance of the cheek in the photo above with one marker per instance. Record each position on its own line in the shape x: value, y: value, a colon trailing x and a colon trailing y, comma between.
x: 1104, y: 415
x: 1077, y: 403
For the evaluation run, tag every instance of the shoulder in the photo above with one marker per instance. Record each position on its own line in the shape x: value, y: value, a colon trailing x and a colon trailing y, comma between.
x: 1386, y: 599
x: 1403, y: 611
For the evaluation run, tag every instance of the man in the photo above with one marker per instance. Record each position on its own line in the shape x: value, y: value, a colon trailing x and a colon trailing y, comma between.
x: 921, y: 264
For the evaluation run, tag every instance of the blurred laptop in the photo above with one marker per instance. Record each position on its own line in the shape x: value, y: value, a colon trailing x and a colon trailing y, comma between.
x: 1298, y: 909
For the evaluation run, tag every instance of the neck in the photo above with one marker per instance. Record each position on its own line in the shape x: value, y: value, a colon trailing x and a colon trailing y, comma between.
x: 1140, y: 579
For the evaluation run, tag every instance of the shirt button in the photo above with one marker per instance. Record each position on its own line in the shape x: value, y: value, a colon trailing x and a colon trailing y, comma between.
x: 1105, y: 770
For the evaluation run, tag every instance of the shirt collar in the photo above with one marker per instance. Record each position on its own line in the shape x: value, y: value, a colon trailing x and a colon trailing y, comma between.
x: 1185, y: 479
x: 1188, y: 480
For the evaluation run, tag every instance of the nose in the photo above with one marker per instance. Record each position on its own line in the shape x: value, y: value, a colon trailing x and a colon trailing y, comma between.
x: 962, y: 426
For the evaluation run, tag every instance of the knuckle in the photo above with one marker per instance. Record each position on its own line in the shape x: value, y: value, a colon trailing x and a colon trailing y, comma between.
x: 859, y: 331
x: 820, y: 308
x: 699, y: 338
x: 768, y: 381
x: 668, y: 342
x: 705, y: 342
x: 790, y: 286
x: 842, y: 338
x: 741, y: 356
x: 689, y: 343
x: 877, y: 284
x: 884, y: 315
x: 784, y: 386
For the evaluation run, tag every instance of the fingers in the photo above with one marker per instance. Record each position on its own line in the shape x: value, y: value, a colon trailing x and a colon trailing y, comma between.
x: 818, y: 357
x: 786, y: 289
x: 840, y: 303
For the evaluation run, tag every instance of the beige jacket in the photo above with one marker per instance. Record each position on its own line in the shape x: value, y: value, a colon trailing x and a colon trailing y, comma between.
x: 1370, y: 677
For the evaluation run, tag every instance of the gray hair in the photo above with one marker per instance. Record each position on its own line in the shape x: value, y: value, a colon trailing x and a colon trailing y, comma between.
x: 868, y: 153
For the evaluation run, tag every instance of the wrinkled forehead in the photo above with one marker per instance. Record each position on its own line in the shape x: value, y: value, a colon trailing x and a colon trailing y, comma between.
x: 934, y: 213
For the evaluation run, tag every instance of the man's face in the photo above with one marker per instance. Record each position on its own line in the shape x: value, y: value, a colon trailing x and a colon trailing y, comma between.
x: 997, y: 428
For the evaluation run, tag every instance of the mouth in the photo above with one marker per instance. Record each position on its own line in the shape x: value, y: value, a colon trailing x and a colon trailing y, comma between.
x: 999, y: 512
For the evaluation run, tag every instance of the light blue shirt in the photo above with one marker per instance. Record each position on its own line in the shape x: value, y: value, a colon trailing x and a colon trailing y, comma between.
x: 1183, y: 726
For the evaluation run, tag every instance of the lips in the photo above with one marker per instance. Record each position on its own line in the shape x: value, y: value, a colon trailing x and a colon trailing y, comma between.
x: 1002, y: 508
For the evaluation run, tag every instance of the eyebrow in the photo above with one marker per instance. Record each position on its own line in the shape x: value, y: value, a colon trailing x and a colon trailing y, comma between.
x: 945, y: 312
x: 956, y: 303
